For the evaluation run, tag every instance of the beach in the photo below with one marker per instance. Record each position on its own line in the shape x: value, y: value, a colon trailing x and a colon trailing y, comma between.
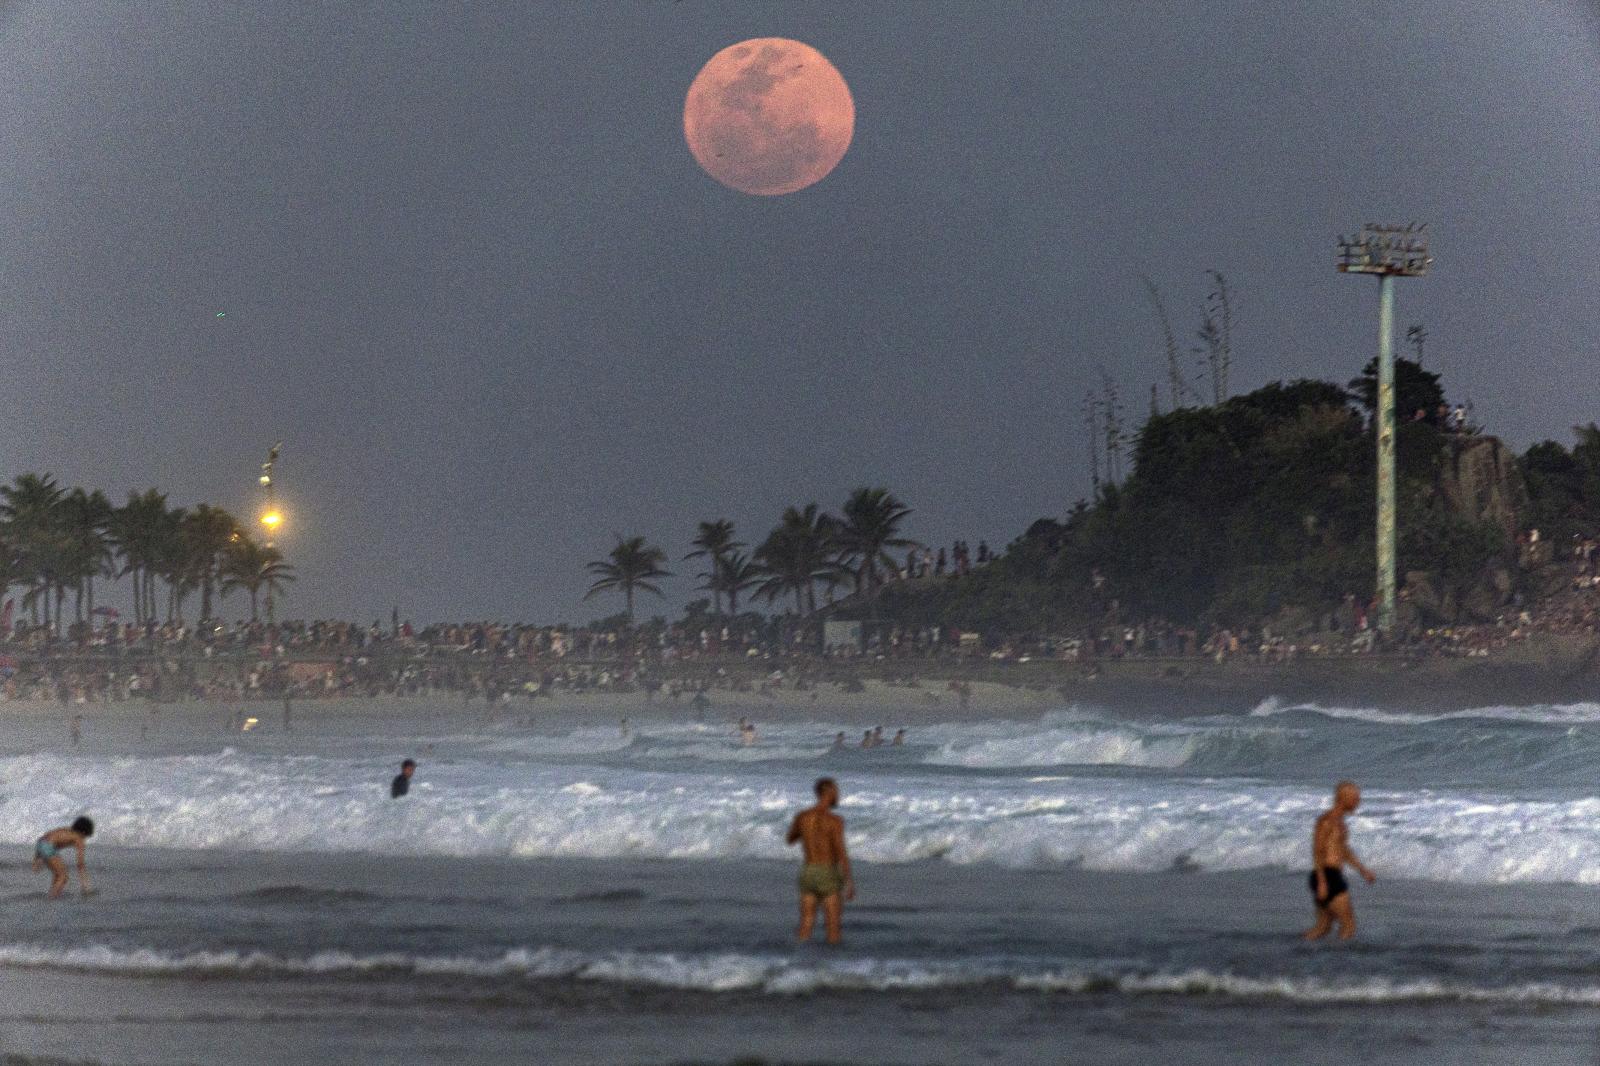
x: 1038, y: 881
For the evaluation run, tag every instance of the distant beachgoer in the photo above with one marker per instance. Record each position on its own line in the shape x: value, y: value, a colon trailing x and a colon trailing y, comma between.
x: 747, y: 734
x: 825, y: 876
x: 899, y: 739
x: 626, y: 732
x: 866, y: 739
x: 47, y: 852
x: 838, y: 741
x: 402, y: 781
x: 877, y: 737
x: 1330, y: 853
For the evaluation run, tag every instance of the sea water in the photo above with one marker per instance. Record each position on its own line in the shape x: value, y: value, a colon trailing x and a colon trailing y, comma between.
x: 1034, y: 882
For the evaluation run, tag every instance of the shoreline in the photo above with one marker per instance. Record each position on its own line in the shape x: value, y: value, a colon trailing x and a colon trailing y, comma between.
x: 1547, y: 672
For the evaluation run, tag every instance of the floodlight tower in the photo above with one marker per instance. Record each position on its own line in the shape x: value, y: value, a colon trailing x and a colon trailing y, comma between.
x: 1389, y: 252
x: 271, y: 516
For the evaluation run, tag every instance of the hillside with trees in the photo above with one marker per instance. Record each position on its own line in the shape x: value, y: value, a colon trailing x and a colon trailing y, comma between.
x: 1260, y: 510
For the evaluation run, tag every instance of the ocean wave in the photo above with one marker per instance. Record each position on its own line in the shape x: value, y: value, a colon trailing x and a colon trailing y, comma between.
x: 1296, y: 744
x: 1538, y: 714
x: 258, y: 803
x: 730, y: 972
x: 1072, y: 743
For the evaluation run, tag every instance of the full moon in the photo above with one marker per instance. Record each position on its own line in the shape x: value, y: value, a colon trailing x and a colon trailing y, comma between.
x: 768, y: 116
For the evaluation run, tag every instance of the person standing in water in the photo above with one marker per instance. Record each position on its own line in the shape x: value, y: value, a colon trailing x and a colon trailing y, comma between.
x: 1330, y: 853
x: 825, y: 876
x: 402, y: 781
x: 47, y: 852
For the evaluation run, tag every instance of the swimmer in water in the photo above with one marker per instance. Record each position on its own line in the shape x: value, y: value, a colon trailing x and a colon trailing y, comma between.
x: 47, y: 852
x: 402, y: 781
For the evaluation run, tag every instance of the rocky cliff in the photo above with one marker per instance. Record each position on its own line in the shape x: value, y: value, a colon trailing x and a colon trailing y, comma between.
x: 1480, y: 481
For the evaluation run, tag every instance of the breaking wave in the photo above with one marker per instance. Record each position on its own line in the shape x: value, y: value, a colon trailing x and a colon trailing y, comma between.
x: 235, y: 801
x: 779, y: 975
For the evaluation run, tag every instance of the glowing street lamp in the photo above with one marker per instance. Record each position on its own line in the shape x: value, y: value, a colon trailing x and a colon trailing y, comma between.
x: 271, y: 515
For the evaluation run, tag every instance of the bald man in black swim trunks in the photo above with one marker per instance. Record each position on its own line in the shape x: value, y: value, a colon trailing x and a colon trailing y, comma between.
x: 1330, y: 853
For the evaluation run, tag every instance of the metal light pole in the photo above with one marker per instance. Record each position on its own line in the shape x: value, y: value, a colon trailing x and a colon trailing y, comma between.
x: 1389, y: 252
x: 271, y: 517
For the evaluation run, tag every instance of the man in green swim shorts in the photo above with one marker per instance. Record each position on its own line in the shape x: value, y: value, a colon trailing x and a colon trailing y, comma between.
x: 825, y: 877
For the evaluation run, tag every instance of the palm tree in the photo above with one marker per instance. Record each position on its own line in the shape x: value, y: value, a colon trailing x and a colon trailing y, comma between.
x: 31, y: 510
x: 173, y: 562
x: 738, y: 573
x: 86, y: 518
x: 253, y: 567
x: 209, y: 532
x: 632, y: 564
x: 795, y: 555
x: 869, y: 527
x: 11, y: 573
x: 140, y: 529
x: 713, y: 542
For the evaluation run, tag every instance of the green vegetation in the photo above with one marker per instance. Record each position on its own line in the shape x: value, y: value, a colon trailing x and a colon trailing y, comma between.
x: 1564, y: 486
x: 55, y: 541
x: 1240, y: 513
x: 632, y: 566
x: 1254, y: 510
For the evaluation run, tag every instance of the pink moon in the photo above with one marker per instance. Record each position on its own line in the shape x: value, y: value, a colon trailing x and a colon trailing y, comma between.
x: 768, y: 116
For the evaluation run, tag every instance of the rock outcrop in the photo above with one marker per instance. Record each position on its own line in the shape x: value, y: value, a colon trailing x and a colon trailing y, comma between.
x: 1479, y: 480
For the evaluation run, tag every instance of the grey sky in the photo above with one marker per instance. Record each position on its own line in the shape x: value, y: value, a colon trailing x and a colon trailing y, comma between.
x: 475, y: 280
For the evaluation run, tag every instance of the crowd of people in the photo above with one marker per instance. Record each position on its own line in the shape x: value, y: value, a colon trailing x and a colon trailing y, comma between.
x: 498, y: 660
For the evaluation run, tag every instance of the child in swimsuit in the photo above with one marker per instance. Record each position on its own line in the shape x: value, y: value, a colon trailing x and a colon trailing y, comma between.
x: 47, y: 852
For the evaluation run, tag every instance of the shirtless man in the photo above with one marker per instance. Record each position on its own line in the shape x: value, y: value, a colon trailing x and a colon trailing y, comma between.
x: 1330, y: 853
x: 825, y: 877
x: 47, y: 852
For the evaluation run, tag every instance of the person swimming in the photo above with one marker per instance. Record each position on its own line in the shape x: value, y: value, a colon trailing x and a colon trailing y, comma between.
x: 47, y: 853
x: 402, y: 781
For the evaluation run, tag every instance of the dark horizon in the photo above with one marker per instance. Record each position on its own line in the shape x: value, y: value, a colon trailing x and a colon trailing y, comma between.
x: 473, y: 278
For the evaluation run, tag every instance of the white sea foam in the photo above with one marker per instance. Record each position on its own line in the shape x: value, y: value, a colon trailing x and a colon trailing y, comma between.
x: 1541, y: 713
x: 263, y: 803
x: 1074, y: 744
x: 779, y: 975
